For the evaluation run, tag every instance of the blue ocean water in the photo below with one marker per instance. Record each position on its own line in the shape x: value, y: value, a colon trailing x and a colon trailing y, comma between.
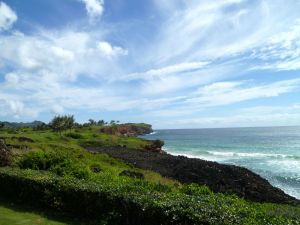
x: 272, y: 152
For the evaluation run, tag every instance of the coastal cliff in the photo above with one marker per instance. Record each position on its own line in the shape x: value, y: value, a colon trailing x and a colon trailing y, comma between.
x: 128, y: 129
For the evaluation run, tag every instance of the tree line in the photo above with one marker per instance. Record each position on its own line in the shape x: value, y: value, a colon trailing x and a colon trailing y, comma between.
x: 66, y: 122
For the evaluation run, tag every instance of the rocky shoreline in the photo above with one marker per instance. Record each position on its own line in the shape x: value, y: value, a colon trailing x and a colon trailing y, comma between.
x: 218, y: 177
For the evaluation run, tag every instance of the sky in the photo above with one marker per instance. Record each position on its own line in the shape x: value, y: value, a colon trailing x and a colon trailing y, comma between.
x: 171, y: 63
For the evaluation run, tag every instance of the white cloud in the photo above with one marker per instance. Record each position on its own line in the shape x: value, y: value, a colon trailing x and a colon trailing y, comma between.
x: 68, y: 53
x: 281, y: 52
x: 165, y: 71
x: 178, y: 81
x: 7, y: 17
x: 187, y: 110
x: 212, y: 30
x: 94, y: 8
x: 247, y: 117
x: 16, y: 109
x: 63, y: 54
x: 107, y: 49
x: 219, y: 88
x: 224, y: 93
x: 45, y: 67
x: 12, y: 79
x: 206, y: 30
x: 57, y: 109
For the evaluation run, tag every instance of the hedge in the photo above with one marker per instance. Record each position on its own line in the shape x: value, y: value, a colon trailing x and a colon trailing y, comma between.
x: 129, y: 202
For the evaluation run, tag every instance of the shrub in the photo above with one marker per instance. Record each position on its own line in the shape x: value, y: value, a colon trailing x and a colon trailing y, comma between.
x: 195, y: 189
x: 127, y: 201
x: 158, y: 143
x: 59, y: 162
x: 73, y: 135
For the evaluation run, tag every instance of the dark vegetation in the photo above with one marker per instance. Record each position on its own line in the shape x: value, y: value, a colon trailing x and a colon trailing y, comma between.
x: 48, y: 167
x: 122, y: 200
x: 5, y: 154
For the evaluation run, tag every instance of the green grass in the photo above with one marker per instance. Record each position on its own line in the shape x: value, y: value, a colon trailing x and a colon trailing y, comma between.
x: 13, y: 215
x: 73, y: 149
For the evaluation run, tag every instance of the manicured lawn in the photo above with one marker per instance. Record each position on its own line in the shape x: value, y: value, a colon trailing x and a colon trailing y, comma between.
x: 11, y: 216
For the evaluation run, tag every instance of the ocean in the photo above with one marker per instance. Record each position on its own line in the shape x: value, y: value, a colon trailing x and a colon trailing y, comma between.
x: 272, y: 152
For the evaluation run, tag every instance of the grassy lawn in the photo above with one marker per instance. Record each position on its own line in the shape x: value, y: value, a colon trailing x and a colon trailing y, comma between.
x: 10, y: 215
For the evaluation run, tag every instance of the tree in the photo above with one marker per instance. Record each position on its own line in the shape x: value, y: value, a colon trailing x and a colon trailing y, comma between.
x: 2, y: 125
x: 41, y: 126
x: 69, y: 122
x: 61, y: 123
x: 112, y: 122
x: 92, y: 122
x: 101, y: 122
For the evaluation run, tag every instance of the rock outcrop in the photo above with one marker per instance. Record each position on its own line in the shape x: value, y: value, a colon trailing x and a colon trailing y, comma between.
x: 219, y: 177
x: 155, y: 146
x: 129, y: 129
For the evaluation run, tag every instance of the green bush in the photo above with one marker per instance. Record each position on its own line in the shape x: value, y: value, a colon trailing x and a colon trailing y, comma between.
x: 195, y: 189
x: 128, y: 201
x: 73, y: 135
x: 59, y: 162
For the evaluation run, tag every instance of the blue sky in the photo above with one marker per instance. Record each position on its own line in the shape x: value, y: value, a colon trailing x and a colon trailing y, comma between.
x: 172, y: 63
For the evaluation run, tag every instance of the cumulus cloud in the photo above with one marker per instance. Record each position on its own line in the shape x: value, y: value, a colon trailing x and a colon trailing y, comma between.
x: 45, y: 67
x: 94, y: 8
x: 7, y: 17
x: 68, y: 53
x: 109, y: 50
x: 16, y: 109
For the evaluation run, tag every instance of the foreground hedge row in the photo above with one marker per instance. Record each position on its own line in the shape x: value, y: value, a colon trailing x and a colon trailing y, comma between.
x: 128, y: 201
